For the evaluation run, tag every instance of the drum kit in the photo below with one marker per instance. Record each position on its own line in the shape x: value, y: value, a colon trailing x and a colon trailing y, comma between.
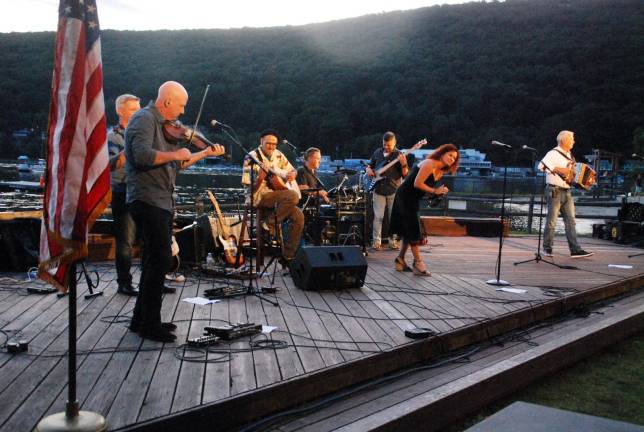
x: 342, y: 221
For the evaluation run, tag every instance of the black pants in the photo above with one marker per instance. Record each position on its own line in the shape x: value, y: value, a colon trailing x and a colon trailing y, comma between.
x: 124, y: 232
x: 155, y: 225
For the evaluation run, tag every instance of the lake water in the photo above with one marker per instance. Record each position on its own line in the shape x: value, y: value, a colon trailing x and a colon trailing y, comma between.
x: 191, y: 184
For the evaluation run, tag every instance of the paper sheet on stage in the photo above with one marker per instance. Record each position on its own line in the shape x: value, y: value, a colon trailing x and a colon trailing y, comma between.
x: 199, y: 301
x: 512, y: 290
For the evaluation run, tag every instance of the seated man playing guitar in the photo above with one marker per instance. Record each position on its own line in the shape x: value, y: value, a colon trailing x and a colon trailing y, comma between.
x: 275, y: 188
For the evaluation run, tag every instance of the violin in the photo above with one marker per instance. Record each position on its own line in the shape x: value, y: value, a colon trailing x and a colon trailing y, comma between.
x: 175, y: 132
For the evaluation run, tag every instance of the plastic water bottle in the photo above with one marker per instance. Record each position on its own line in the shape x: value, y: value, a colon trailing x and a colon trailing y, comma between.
x: 209, y: 259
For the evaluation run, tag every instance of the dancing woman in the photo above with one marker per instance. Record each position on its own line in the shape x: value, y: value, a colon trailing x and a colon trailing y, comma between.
x: 404, y: 218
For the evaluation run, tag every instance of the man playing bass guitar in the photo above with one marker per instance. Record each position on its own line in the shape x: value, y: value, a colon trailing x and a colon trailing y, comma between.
x: 385, y: 190
x: 275, y: 188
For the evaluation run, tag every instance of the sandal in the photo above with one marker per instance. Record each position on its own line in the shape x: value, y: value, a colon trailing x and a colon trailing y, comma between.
x: 420, y: 272
x: 401, y: 265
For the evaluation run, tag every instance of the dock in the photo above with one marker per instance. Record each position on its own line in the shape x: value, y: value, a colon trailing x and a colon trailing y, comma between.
x: 346, y: 348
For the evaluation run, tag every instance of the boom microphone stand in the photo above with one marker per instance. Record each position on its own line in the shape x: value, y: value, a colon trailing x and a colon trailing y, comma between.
x: 537, y: 256
x: 251, y: 289
x: 498, y: 281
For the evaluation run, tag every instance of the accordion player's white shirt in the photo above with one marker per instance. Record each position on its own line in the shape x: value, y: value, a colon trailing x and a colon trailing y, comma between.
x: 553, y: 159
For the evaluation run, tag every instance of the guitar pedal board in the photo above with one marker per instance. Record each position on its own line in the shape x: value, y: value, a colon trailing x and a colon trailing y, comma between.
x: 234, y: 331
x: 203, y: 341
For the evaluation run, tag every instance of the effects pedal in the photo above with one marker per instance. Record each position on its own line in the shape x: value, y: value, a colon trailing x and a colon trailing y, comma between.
x: 14, y: 347
x: 419, y: 333
x: 37, y: 290
x: 234, y: 331
x: 203, y: 341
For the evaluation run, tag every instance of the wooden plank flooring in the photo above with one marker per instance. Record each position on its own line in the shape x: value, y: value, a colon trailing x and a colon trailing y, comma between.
x: 132, y: 381
x: 386, y: 405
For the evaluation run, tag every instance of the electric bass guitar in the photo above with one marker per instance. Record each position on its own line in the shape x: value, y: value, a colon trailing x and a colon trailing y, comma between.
x: 371, y: 182
x: 228, y: 241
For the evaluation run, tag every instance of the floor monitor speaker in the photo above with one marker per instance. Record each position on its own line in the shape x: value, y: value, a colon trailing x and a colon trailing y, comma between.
x: 328, y: 267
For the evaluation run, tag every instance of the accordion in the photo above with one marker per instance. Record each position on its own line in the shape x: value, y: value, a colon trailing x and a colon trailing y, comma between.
x: 585, y: 177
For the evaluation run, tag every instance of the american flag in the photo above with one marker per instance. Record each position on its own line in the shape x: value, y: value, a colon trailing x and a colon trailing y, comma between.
x: 77, y: 186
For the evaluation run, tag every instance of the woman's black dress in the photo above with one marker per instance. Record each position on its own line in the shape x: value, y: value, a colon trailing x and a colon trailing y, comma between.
x: 404, y: 215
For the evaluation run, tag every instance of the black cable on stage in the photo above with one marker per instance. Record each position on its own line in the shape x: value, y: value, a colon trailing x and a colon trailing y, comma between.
x: 519, y: 335
x: 263, y: 423
x: 345, y: 315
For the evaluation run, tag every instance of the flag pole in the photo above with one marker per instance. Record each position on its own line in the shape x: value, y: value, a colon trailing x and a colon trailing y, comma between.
x: 72, y: 419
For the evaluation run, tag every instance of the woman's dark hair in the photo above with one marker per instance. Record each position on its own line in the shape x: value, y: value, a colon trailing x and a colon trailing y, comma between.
x: 446, y: 148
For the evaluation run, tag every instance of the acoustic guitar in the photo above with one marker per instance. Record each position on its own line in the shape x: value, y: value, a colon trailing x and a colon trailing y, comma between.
x: 232, y: 255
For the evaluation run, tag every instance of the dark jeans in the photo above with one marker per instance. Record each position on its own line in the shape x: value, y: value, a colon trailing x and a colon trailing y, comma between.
x: 124, y: 232
x: 155, y: 225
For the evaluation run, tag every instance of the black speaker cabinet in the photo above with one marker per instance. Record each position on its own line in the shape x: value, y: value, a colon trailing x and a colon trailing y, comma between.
x: 328, y: 267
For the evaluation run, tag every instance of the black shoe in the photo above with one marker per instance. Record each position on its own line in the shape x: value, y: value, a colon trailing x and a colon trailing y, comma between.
x: 168, y: 326
x: 158, y: 334
x: 285, y: 262
x: 169, y: 290
x: 547, y: 252
x: 127, y: 290
x: 581, y: 254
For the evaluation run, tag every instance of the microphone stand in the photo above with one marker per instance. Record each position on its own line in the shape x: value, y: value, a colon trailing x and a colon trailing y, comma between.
x: 251, y: 290
x: 498, y: 281
x: 537, y: 256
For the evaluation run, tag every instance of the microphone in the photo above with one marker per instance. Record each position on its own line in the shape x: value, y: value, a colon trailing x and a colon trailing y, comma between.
x: 214, y: 123
x: 525, y: 147
x: 500, y: 144
x: 636, y: 156
x: 290, y: 145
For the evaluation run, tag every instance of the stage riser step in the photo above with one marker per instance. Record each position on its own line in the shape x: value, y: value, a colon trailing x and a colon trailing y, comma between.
x: 439, y: 407
x: 463, y: 226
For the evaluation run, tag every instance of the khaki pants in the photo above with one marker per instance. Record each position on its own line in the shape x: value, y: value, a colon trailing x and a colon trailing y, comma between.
x: 285, y: 204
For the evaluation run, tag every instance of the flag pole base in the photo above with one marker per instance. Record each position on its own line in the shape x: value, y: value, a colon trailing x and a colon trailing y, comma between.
x: 85, y: 421
x: 497, y: 282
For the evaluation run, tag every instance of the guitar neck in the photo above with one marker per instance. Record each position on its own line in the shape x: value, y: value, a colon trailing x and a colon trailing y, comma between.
x: 220, y: 217
x: 418, y: 145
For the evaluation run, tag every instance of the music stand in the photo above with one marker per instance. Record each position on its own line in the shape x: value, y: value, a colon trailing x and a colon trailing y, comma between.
x: 251, y: 289
x: 537, y: 256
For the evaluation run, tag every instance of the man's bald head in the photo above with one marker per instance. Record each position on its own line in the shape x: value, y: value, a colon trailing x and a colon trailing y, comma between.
x: 171, y: 100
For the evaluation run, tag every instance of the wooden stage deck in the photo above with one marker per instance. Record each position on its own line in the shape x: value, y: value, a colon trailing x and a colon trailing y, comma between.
x: 329, y: 339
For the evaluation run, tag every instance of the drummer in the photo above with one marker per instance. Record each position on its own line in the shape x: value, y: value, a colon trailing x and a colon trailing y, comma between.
x: 307, y: 179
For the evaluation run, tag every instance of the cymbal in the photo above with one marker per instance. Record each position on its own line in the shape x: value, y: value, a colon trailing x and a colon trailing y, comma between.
x: 347, y: 171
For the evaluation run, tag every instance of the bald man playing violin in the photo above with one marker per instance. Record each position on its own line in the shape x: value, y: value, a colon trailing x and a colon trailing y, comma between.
x: 151, y: 165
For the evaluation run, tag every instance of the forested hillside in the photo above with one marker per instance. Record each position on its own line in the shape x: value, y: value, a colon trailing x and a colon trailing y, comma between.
x: 517, y: 72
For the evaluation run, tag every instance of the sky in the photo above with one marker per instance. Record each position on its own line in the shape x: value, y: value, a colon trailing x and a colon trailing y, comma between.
x: 41, y: 15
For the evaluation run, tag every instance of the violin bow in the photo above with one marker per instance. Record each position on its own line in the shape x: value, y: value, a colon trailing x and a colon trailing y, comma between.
x: 194, y: 129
